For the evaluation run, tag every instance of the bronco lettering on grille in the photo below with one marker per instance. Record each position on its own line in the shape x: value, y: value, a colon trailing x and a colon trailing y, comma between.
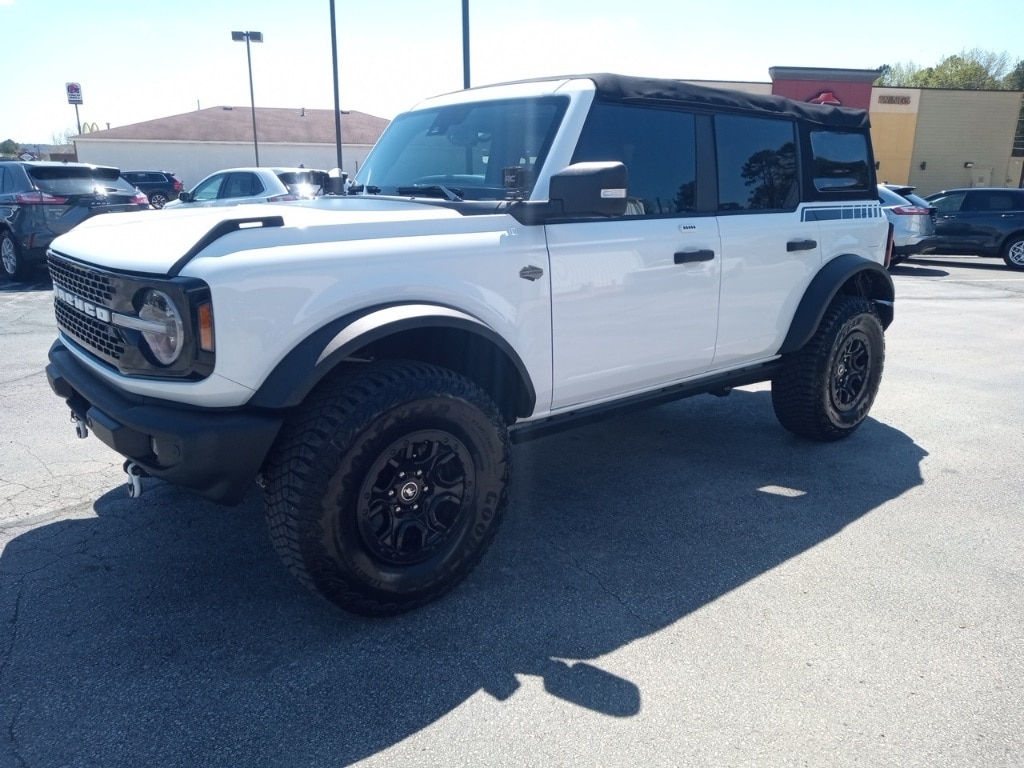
x: 83, y: 306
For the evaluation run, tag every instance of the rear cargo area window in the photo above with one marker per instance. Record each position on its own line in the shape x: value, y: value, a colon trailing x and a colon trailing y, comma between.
x: 841, y: 161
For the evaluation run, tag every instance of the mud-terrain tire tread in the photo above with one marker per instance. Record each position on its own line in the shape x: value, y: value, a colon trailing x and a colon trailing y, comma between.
x: 310, y: 449
x: 801, y: 391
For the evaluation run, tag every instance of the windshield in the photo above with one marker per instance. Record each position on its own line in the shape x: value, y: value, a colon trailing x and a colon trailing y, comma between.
x: 483, y: 151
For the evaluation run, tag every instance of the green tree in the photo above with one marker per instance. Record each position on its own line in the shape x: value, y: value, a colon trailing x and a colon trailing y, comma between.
x: 975, y: 69
x: 1014, y: 79
x: 9, y: 147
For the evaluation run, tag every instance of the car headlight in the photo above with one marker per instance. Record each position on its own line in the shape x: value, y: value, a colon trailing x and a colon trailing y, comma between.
x: 164, y: 330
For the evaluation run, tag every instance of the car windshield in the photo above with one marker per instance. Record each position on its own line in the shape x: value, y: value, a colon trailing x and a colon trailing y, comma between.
x: 482, y: 151
x: 71, y: 180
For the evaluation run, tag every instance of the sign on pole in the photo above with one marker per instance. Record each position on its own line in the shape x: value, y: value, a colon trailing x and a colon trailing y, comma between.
x: 74, y: 93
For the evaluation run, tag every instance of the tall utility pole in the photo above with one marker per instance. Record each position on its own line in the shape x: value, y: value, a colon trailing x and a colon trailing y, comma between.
x: 256, y: 37
x: 465, y: 43
x: 337, y: 92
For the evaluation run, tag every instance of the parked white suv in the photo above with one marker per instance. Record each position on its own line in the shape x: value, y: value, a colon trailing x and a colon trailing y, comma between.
x: 509, y: 260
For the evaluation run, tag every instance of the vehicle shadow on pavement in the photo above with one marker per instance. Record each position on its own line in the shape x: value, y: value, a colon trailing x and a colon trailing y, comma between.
x: 164, y: 631
x: 972, y: 262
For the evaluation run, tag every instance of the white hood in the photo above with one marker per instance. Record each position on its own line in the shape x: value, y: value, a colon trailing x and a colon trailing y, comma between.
x: 152, y: 242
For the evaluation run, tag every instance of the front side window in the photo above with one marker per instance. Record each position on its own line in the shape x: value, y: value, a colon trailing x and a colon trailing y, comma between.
x: 949, y: 203
x: 482, y: 151
x: 658, y: 148
x: 841, y: 161
x: 207, y: 190
x: 756, y: 163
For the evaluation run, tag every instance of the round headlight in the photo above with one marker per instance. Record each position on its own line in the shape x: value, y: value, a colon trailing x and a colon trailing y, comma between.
x: 166, y: 341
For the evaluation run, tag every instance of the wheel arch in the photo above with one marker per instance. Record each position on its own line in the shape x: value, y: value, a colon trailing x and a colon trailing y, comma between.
x: 847, y: 274
x: 428, y: 333
x: 1011, y: 237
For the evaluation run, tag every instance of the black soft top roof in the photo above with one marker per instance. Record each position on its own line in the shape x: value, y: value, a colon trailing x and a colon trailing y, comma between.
x: 652, y: 90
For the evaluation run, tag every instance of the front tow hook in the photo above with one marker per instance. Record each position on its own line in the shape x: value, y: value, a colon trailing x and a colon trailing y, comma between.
x: 135, y: 474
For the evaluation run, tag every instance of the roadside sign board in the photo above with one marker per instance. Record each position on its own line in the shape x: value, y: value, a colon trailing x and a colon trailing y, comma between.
x: 74, y: 93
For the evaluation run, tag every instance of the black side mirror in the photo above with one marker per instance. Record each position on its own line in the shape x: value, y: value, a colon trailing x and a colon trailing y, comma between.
x: 591, y: 189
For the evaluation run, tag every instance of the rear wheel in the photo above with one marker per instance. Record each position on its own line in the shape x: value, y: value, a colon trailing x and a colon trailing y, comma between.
x: 158, y: 199
x: 11, y: 260
x: 825, y: 390
x: 1013, y: 252
x: 387, y: 486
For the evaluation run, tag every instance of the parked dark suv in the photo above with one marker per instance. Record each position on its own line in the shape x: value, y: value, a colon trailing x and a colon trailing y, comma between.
x: 40, y: 200
x: 983, y: 221
x: 159, y: 186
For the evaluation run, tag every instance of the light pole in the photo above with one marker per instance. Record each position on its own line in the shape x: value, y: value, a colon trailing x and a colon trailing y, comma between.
x: 255, y: 37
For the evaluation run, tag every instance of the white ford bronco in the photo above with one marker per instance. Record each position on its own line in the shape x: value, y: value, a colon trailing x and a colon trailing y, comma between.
x: 509, y: 260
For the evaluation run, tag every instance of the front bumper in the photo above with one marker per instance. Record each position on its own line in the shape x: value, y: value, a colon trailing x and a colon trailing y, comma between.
x: 214, y: 452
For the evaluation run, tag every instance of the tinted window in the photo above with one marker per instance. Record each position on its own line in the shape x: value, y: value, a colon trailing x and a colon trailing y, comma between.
x: 756, y: 163
x: 658, y: 148
x: 887, y: 197
x: 949, y: 203
x: 307, y: 183
x: 992, y: 200
x: 840, y: 161
x: 75, y: 180
x: 242, y: 185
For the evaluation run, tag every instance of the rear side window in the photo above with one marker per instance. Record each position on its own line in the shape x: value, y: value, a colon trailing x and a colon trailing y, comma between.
x: 242, y: 185
x: 659, y: 150
x: 993, y: 200
x: 841, y: 161
x: 756, y: 163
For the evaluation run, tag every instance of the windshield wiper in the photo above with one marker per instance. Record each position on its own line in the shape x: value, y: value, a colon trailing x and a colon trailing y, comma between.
x: 430, y: 190
x: 358, y: 189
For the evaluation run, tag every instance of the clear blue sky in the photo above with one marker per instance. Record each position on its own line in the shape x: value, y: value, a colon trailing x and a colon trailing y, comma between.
x: 140, y: 60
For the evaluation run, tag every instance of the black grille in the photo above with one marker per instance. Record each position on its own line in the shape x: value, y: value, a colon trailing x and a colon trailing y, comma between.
x: 81, y: 281
x: 105, y: 340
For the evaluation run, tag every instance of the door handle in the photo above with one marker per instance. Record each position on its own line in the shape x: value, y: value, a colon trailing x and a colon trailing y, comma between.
x: 686, y: 257
x: 801, y: 245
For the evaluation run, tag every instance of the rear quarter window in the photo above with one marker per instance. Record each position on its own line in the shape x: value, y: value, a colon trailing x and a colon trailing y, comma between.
x: 841, y: 161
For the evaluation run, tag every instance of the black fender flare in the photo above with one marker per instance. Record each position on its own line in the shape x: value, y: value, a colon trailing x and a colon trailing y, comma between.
x: 873, y: 280
x: 320, y: 352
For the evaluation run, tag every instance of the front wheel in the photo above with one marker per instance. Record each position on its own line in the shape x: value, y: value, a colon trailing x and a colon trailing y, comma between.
x: 825, y: 390
x: 1013, y: 252
x: 387, y: 486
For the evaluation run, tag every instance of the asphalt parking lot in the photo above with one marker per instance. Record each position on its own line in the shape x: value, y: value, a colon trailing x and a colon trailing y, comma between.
x: 686, y: 586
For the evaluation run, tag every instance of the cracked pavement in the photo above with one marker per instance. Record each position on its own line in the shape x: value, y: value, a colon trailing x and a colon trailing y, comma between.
x: 684, y: 586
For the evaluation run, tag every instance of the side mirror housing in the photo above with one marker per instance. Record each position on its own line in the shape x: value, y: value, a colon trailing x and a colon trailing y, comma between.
x: 590, y: 189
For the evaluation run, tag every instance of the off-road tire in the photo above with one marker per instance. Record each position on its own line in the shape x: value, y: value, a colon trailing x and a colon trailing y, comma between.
x: 1013, y: 252
x: 387, y: 486
x: 825, y: 390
